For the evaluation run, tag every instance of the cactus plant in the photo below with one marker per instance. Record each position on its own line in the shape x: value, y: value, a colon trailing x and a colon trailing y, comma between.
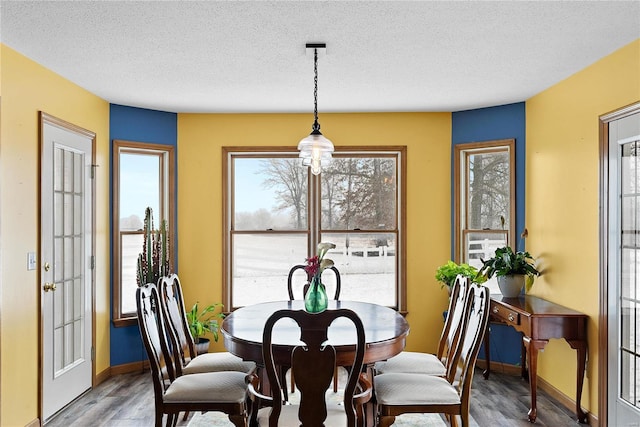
x: 153, y: 261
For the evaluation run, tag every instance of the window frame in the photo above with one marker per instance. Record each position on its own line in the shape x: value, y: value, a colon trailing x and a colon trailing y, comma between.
x: 313, y: 234
x: 460, y: 182
x: 167, y: 202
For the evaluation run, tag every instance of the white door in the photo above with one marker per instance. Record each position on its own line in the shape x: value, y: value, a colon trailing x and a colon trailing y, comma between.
x: 65, y: 263
x: 624, y: 272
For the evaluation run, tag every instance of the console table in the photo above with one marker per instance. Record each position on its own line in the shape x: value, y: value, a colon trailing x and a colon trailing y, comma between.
x: 540, y: 320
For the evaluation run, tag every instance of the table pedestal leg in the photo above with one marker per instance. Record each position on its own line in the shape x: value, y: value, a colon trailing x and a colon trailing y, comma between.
x: 581, y: 349
x: 533, y: 346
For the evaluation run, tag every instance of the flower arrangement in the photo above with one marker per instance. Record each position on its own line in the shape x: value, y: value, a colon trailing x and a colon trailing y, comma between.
x: 316, y: 264
x: 315, y: 298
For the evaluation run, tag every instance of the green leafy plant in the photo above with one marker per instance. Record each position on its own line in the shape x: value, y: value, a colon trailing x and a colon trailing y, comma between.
x: 507, y: 262
x: 446, y: 274
x: 153, y: 261
x: 205, y: 321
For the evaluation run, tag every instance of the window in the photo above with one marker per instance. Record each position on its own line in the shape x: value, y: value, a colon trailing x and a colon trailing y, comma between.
x: 142, y: 177
x: 276, y: 212
x: 484, y: 182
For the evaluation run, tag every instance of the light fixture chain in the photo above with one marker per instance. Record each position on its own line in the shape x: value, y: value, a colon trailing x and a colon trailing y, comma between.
x: 315, y: 90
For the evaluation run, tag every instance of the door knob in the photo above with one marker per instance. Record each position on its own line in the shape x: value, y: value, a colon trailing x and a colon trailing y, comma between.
x: 49, y: 287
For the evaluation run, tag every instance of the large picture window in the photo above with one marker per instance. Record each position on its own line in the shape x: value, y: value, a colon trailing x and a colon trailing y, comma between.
x: 142, y: 177
x: 276, y: 212
x: 484, y: 182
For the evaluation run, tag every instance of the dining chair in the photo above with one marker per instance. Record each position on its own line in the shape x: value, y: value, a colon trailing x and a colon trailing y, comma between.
x: 313, y: 364
x: 434, y: 364
x: 174, y: 311
x: 400, y: 393
x: 305, y: 287
x: 223, y: 391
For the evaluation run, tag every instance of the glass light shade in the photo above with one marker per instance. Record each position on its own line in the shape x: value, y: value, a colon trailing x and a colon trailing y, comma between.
x: 315, y: 151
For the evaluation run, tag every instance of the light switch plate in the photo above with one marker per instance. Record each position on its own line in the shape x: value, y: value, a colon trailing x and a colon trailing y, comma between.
x: 31, y: 260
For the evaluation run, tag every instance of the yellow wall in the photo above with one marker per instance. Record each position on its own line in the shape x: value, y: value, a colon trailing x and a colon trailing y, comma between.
x: 428, y: 140
x: 26, y: 89
x: 562, y: 199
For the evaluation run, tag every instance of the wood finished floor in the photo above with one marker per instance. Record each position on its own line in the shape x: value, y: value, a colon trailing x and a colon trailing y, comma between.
x: 127, y: 401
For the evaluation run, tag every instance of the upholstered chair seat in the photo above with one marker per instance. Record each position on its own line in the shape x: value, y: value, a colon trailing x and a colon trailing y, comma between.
x: 435, y: 364
x: 217, y: 362
x: 408, y: 389
x: 412, y: 362
x: 229, y: 387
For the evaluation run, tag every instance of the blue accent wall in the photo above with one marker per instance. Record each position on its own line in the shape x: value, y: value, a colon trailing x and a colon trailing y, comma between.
x: 487, y: 124
x: 140, y: 125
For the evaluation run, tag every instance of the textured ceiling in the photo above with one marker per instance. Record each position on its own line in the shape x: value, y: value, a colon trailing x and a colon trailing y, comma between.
x: 237, y: 56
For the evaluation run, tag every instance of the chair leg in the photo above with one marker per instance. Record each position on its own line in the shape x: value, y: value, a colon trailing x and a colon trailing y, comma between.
x: 186, y: 415
x: 170, y: 420
x: 386, y: 420
x: 335, y: 379
x: 238, y: 420
x: 283, y: 381
x: 293, y: 385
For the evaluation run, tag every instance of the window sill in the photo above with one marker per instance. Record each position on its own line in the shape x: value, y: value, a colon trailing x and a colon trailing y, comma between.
x: 125, y: 321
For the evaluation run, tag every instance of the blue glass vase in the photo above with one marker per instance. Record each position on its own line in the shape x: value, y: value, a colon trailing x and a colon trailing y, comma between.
x: 315, y: 301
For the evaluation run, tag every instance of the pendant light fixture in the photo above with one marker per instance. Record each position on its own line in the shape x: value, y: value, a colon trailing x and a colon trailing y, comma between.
x: 315, y: 149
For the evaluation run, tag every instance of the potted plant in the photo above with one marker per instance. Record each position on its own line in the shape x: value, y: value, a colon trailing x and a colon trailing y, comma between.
x: 203, y: 322
x: 446, y: 274
x: 512, y: 269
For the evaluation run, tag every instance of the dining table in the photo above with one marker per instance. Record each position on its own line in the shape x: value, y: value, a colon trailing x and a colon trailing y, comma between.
x: 386, y: 331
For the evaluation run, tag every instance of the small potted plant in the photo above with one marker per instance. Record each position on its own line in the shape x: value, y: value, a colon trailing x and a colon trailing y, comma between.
x: 203, y: 322
x: 512, y: 269
x: 446, y: 274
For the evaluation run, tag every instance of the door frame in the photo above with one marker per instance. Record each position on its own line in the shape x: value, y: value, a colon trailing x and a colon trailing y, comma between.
x: 603, y: 322
x: 55, y: 121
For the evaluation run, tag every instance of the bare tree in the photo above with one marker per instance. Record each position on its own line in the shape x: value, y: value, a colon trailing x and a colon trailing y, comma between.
x: 290, y: 182
x: 489, y: 190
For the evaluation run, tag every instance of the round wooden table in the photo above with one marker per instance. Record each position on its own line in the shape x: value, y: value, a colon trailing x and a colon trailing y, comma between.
x: 385, y: 331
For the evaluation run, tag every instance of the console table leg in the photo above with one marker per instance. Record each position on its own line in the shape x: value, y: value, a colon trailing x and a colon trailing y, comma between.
x: 581, y: 349
x: 533, y: 346
x: 487, y: 354
x: 523, y: 368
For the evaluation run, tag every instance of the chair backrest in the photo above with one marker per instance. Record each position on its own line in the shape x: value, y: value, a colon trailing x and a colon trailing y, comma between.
x: 453, y: 300
x: 473, y: 333
x: 153, y: 332
x: 172, y: 302
x: 313, y: 364
x: 290, y: 279
x: 452, y: 328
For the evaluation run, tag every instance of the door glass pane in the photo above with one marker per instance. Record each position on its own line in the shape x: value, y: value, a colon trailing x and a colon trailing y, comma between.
x: 367, y: 266
x: 359, y: 193
x: 69, y: 262
x: 269, y: 194
x: 261, y: 263
x: 629, y: 304
x: 488, y: 191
